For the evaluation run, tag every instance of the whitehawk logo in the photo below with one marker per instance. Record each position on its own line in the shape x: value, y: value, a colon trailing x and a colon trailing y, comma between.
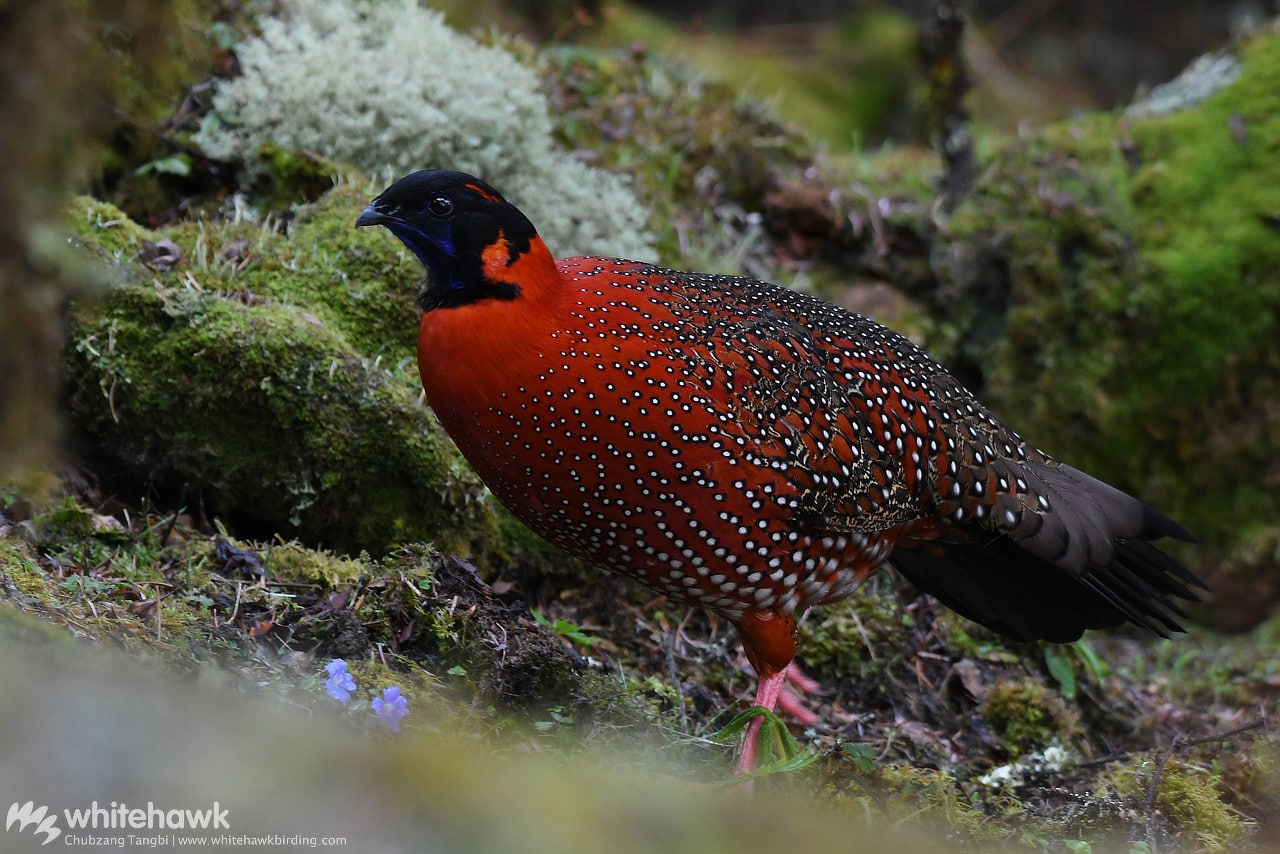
x: 28, y: 814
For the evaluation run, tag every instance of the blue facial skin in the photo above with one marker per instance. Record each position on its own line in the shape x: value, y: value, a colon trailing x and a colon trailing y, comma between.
x: 448, y: 227
x: 435, y: 251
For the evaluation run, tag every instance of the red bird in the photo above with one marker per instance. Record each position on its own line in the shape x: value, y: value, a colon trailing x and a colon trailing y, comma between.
x: 749, y: 449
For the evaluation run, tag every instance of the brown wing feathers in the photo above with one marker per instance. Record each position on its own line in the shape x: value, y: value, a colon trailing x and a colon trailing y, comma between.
x: 1080, y: 561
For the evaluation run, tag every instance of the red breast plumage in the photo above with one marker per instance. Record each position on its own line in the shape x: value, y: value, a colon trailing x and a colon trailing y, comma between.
x: 748, y: 448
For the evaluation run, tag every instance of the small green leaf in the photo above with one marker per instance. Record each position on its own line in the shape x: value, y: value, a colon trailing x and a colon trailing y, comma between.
x: 738, y: 723
x: 863, y: 756
x: 778, y: 751
x: 564, y: 628
x: 1078, y: 846
x: 210, y: 123
x: 802, y: 759
x: 1061, y: 669
x: 179, y: 164
x: 457, y: 670
x: 1093, y: 662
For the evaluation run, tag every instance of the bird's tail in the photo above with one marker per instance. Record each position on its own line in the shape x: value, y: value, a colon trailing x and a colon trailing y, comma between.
x: 1014, y: 587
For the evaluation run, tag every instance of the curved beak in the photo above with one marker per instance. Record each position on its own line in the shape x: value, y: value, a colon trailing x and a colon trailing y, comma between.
x: 372, y: 216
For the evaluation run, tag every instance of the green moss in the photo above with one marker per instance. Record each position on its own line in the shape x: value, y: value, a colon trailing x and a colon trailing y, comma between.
x: 355, y: 280
x: 105, y: 230
x: 1028, y: 716
x: 692, y: 144
x: 19, y: 567
x: 294, y: 176
x: 853, y: 639
x: 293, y: 562
x: 273, y: 417
x: 933, y: 796
x: 1188, y: 796
x: 849, y: 82
x: 71, y: 533
x: 68, y: 525
x: 1113, y: 298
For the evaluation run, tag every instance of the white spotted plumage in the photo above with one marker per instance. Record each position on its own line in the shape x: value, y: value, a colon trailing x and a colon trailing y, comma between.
x: 730, y: 442
x: 754, y: 450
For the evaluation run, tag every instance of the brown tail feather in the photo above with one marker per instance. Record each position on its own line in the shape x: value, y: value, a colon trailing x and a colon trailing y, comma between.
x: 1096, y: 571
x: 1010, y: 591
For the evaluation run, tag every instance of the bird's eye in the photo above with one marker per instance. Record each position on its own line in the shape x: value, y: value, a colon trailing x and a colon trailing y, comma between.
x: 441, y: 207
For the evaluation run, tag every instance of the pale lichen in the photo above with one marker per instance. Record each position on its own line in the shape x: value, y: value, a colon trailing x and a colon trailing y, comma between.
x: 390, y: 88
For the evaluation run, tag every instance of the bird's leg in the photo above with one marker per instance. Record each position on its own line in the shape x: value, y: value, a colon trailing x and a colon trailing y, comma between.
x: 767, y: 696
x: 791, y: 697
x: 769, y: 642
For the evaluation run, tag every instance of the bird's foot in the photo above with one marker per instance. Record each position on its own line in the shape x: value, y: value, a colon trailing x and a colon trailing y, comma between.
x: 767, y: 745
x: 791, y: 698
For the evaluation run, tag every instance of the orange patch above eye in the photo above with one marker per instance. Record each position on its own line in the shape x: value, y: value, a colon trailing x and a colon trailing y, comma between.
x: 481, y: 191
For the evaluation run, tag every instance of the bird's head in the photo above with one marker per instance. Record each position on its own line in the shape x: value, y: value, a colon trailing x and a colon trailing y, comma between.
x: 472, y: 241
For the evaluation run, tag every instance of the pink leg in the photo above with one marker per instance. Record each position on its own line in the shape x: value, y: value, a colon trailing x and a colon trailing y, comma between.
x: 802, y: 683
x: 768, y: 639
x: 767, y: 696
x: 793, y: 705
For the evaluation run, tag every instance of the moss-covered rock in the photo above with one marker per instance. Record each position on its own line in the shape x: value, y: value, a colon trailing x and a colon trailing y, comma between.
x: 1028, y: 716
x: 267, y: 416
x: 702, y: 155
x: 260, y: 388
x: 1186, y: 795
x: 1109, y: 287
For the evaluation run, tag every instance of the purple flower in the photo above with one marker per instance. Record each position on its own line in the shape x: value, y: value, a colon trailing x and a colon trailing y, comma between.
x: 390, y: 708
x: 340, y: 684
